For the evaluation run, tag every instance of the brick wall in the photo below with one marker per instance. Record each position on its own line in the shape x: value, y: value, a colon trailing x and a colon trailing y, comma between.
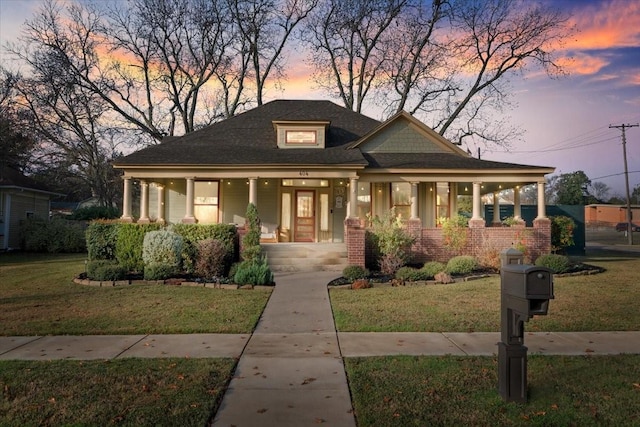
x: 428, y: 246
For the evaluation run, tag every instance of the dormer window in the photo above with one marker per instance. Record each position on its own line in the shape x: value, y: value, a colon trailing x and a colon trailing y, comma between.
x: 305, y: 137
x: 301, y: 134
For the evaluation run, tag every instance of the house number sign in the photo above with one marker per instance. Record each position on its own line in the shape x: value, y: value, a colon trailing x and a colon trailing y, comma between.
x: 304, y: 172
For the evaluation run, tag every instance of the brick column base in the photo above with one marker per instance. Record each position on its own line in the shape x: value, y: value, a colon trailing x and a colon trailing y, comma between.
x: 354, y: 235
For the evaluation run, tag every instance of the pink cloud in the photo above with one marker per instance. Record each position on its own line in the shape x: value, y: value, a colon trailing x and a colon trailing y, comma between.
x: 614, y: 23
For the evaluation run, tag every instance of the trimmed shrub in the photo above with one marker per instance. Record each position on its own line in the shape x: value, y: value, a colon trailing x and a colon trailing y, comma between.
x: 162, y: 247
x: 52, y: 236
x: 105, y: 270
x: 251, y: 240
x: 557, y: 263
x: 101, y: 240
x: 255, y: 273
x: 430, y: 269
x: 410, y: 274
x: 353, y: 272
x: 95, y: 212
x: 129, y: 245
x: 462, y: 264
x: 159, y: 271
x: 194, y: 233
x: 212, y: 258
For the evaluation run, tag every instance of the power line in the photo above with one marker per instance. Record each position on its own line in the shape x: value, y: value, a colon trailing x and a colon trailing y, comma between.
x: 626, y: 176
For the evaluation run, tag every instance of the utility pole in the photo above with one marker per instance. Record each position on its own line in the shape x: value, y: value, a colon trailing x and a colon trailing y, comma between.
x: 626, y: 178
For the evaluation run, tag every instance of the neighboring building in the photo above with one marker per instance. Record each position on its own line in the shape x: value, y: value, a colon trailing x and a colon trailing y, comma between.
x: 315, y: 170
x: 609, y: 215
x: 20, y: 198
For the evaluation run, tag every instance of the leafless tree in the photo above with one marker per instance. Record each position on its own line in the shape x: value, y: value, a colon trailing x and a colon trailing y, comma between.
x: 265, y: 26
x: 66, y: 120
x: 347, y: 41
x: 447, y: 61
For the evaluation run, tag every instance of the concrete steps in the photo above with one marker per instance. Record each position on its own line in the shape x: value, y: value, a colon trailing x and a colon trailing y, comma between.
x: 306, y: 256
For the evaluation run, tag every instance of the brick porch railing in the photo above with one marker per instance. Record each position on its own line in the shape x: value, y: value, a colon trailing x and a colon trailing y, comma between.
x: 429, y: 246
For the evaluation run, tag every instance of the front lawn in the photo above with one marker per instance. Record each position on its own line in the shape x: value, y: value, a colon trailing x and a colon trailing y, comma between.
x: 39, y: 298
x: 600, y: 302
x: 563, y: 391
x: 134, y: 392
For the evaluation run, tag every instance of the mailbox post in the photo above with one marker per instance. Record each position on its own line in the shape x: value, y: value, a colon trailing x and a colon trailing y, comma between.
x: 525, y: 292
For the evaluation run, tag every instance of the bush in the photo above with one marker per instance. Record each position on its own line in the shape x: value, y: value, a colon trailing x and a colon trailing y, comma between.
x: 454, y: 233
x: 557, y: 263
x: 392, y: 240
x: 159, y: 271
x: 52, y: 236
x: 430, y: 269
x: 212, y: 258
x: 410, y: 274
x: 129, y: 245
x: 463, y: 264
x: 353, y: 272
x: 162, y: 247
x: 561, y: 232
x: 101, y: 240
x: 194, y: 233
x: 95, y: 212
x: 255, y: 272
x: 105, y: 270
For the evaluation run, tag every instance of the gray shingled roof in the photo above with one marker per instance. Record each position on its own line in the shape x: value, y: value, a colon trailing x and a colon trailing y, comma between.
x: 249, y: 139
x: 436, y: 161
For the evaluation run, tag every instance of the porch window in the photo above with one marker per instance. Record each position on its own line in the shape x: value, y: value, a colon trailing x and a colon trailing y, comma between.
x: 401, y: 199
x: 206, y: 201
x: 364, y: 200
x: 442, y: 200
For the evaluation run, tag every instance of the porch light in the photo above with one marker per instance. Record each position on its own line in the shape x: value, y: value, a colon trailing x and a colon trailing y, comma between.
x: 304, y: 183
x: 228, y: 182
x: 266, y: 182
x: 466, y: 189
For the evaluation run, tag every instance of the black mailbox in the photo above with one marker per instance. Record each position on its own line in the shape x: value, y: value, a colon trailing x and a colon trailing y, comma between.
x: 529, y: 282
x: 525, y: 292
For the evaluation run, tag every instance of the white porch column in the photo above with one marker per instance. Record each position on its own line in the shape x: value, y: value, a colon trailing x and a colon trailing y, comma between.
x: 353, y: 198
x: 542, y: 208
x: 517, y: 209
x: 496, y: 208
x: 253, y: 191
x: 188, y: 217
x: 414, y: 200
x: 144, y: 202
x: 126, y: 200
x: 160, y: 203
x: 476, y: 201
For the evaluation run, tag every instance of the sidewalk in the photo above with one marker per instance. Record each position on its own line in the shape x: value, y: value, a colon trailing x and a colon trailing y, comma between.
x: 352, y: 344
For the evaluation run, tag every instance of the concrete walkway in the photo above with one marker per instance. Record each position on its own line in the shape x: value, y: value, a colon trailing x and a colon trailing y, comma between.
x: 291, y: 372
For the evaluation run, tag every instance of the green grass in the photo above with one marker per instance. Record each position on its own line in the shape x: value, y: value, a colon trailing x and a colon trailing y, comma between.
x: 39, y: 298
x: 600, y: 302
x: 130, y: 392
x: 563, y: 391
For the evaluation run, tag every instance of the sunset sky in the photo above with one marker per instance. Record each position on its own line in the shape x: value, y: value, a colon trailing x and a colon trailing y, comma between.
x: 566, y: 120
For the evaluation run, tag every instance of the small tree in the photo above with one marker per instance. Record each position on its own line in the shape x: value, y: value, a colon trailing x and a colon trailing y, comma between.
x: 392, y: 241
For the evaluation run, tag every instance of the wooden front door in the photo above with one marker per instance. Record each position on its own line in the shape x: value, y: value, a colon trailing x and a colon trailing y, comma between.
x: 305, y: 220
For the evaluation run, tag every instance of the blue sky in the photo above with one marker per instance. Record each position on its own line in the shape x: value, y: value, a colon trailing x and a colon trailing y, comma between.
x: 566, y: 120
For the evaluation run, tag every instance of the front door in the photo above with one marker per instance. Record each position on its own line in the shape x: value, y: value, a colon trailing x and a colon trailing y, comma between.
x: 305, y: 221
